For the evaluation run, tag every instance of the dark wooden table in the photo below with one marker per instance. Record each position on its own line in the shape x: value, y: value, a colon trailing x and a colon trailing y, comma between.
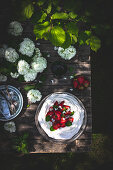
x: 25, y: 121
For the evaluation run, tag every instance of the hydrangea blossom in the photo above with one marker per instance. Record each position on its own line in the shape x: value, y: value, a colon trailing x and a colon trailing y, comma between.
x: 67, y: 53
x: 34, y: 95
x: 38, y: 53
x: 14, y: 75
x: 10, y: 126
x: 11, y: 55
x: 30, y: 75
x: 27, y: 47
x: 39, y: 64
x: 15, y: 28
x: 22, y: 67
x: 3, y: 78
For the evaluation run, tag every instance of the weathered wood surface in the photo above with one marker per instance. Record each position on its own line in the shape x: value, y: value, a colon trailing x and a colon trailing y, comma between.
x: 25, y: 121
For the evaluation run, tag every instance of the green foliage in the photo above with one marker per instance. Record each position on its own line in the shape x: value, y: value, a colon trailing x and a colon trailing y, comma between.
x: 59, y: 15
x: 72, y: 15
x: 29, y: 87
x: 57, y: 36
x: 94, y: 43
x: 20, y: 144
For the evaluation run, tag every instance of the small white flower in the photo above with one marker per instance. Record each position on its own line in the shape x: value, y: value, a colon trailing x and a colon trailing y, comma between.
x: 67, y: 53
x: 30, y: 75
x: 48, y: 55
x: 39, y: 64
x: 65, y: 78
x: 38, y: 53
x: 71, y: 77
x: 23, y: 67
x: 15, y: 28
x: 3, y: 78
x: 55, y: 48
x: 11, y: 55
x: 34, y: 95
x: 27, y: 47
x: 14, y: 75
x: 71, y: 89
x: 38, y: 43
x: 10, y: 126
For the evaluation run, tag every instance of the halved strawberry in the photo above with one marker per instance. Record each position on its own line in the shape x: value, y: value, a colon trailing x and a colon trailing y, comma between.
x: 51, y: 108
x: 80, y: 79
x: 62, y: 125
x: 86, y: 83
x: 61, y: 104
x: 56, y: 125
x: 63, y: 120
x: 75, y: 83
x: 67, y: 107
x: 57, y: 112
x: 56, y: 103
x: 68, y: 113
x: 70, y: 119
x: 50, y: 113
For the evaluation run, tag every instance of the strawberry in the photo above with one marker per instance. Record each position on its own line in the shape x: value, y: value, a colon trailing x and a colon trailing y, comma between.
x: 75, y: 83
x: 67, y: 107
x: 51, y: 108
x: 70, y: 119
x: 61, y: 104
x: 50, y: 113
x: 56, y: 125
x: 86, y: 83
x: 57, y: 116
x: 57, y: 112
x: 56, y: 103
x: 63, y: 125
x: 68, y: 113
x: 80, y: 87
x: 80, y: 79
x: 63, y: 120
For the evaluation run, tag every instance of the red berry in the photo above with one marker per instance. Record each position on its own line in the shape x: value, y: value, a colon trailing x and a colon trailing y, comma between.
x: 57, y: 112
x: 68, y: 113
x: 67, y: 107
x: 57, y: 116
x: 51, y: 108
x: 56, y: 125
x: 63, y: 120
x: 63, y: 125
x: 86, y: 83
x: 75, y: 83
x: 50, y: 113
x: 70, y: 119
x: 80, y: 87
x: 56, y: 103
x: 61, y: 104
x: 80, y: 79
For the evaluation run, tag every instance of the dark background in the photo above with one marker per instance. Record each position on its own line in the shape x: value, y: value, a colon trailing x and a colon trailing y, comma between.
x: 101, y: 65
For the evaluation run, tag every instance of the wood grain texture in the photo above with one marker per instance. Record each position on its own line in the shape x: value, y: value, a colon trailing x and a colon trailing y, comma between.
x: 25, y: 121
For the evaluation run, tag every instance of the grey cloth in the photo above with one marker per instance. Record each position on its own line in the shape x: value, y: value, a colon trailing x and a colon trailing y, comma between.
x: 4, y: 109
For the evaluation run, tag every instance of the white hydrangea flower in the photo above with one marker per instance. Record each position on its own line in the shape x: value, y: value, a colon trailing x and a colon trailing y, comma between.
x: 67, y: 53
x: 3, y: 78
x: 34, y: 95
x: 39, y: 64
x: 27, y: 47
x: 10, y: 126
x: 30, y: 75
x: 14, y: 75
x: 11, y: 55
x: 23, y: 67
x: 15, y: 28
x: 38, y: 53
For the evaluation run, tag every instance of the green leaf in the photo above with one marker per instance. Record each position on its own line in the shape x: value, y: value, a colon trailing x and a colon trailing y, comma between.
x: 55, y: 106
x: 51, y: 128
x: 49, y: 7
x: 43, y: 17
x: 95, y: 43
x: 41, y: 29
x: 83, y: 36
x: 29, y: 87
x: 72, y: 113
x: 72, y: 28
x: 57, y: 36
x: 60, y: 15
x: 72, y: 15
x: 41, y: 2
x: 48, y: 118
x: 68, y: 123
x: 74, y: 38
x: 67, y: 42
x: 28, y: 10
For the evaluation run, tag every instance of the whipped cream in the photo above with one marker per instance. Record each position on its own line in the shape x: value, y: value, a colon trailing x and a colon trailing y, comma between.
x: 68, y: 131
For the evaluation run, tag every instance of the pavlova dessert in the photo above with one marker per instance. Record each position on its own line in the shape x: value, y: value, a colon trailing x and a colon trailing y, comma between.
x: 61, y: 116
